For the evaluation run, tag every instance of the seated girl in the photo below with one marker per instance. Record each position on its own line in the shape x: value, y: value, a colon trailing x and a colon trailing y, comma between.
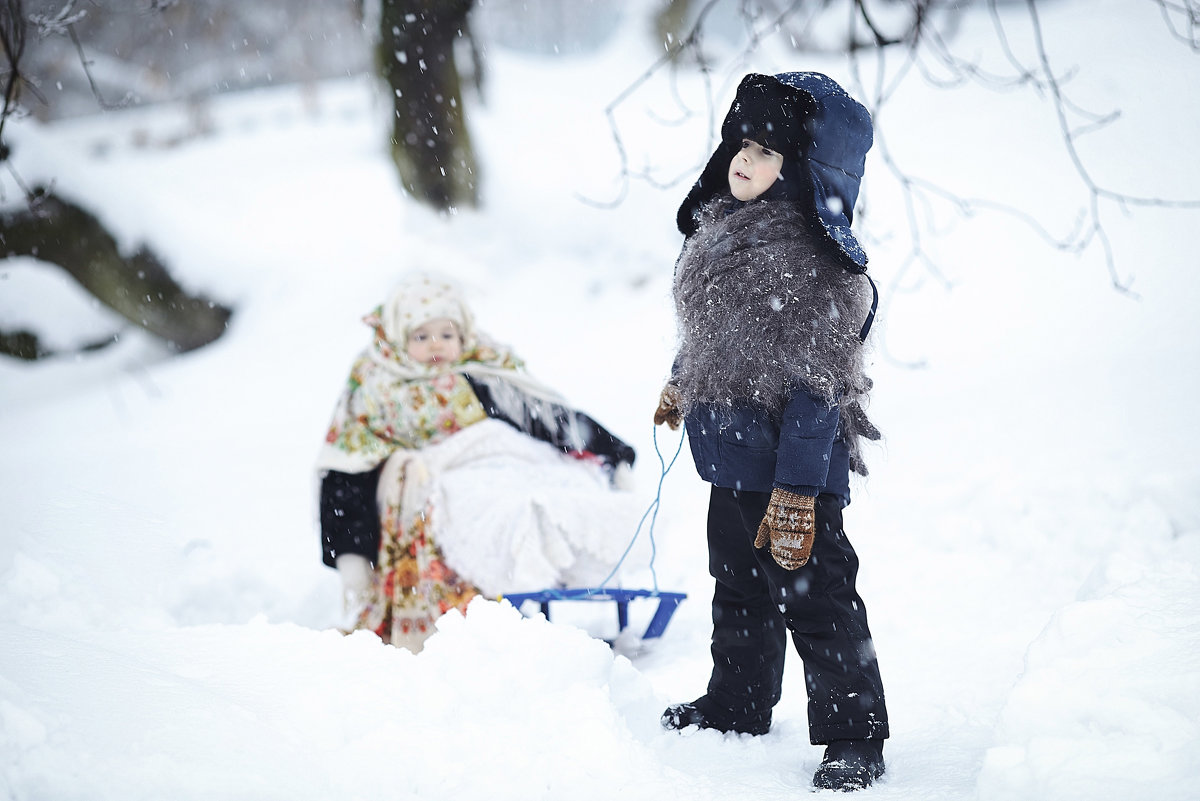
x: 449, y: 472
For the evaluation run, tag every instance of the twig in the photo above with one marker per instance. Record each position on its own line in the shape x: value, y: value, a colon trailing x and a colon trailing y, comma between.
x: 84, y: 62
x: 679, y: 46
x: 12, y: 40
x: 1095, y: 191
x: 930, y: 54
x: 58, y: 24
x: 63, y: 24
x: 1090, y: 227
x: 1190, y: 10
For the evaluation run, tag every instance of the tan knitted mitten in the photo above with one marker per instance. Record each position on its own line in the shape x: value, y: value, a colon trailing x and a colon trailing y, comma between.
x: 789, y: 527
x: 669, y: 409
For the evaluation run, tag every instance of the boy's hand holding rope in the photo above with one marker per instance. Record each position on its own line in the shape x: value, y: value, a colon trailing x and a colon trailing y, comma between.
x: 670, y: 408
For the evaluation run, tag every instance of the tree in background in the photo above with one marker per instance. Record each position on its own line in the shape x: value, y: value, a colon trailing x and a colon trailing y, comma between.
x: 430, y: 144
x: 67, y: 57
x: 57, y: 231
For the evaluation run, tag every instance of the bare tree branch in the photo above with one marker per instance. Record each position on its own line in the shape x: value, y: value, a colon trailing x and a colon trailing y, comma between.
x: 879, y: 38
x: 12, y: 40
x: 137, y: 286
x: 1096, y: 192
x: 931, y: 55
x: 60, y: 23
x: 1042, y: 78
x: 758, y: 32
x: 63, y: 23
x: 690, y: 42
x: 1189, y: 30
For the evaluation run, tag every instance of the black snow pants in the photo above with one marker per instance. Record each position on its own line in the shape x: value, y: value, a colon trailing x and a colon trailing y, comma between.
x: 755, y: 604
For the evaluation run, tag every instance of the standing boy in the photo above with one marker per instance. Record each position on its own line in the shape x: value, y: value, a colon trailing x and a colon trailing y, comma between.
x: 773, y: 306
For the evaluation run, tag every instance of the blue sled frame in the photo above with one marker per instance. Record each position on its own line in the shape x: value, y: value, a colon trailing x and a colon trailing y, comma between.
x: 667, y: 603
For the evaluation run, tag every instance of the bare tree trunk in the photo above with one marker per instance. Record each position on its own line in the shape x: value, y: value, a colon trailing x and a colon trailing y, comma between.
x: 430, y: 143
x: 137, y: 287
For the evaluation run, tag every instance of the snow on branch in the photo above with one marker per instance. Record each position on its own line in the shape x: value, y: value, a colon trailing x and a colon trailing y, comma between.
x: 58, y: 24
x: 63, y: 24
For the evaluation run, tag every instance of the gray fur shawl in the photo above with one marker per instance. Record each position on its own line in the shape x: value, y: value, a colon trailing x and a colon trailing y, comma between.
x: 762, y: 308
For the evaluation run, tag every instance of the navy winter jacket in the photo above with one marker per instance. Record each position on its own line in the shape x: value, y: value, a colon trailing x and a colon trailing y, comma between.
x: 744, y: 448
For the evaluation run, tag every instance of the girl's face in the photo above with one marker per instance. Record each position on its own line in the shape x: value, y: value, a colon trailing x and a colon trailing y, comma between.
x: 435, y: 342
x: 753, y: 170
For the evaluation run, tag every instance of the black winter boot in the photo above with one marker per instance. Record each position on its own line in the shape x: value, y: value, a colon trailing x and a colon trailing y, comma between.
x: 707, y: 714
x: 850, y: 765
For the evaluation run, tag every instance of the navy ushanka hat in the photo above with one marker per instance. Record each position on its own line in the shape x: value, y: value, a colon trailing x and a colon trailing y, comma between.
x: 823, y: 135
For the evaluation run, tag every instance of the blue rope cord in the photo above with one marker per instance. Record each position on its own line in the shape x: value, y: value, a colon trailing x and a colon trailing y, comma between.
x: 652, y: 513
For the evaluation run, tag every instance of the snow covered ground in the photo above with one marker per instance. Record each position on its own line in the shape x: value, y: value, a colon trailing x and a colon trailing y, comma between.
x: 1030, y: 533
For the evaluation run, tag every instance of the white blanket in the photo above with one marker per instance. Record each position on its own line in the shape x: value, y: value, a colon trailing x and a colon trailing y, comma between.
x: 511, y: 513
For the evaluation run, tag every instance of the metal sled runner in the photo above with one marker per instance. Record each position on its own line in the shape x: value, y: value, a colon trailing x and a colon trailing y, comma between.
x: 667, y: 603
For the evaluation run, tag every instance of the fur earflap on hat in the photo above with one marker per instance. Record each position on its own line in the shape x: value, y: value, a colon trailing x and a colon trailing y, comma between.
x: 823, y: 135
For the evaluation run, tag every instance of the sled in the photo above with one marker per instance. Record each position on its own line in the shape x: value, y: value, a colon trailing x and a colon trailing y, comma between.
x: 667, y: 603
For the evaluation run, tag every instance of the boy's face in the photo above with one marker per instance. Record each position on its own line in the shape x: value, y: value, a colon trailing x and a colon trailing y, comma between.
x: 753, y: 170
x: 435, y: 342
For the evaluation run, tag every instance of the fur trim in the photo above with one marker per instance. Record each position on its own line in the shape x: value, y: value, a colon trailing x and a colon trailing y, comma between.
x: 826, y: 155
x: 764, y: 309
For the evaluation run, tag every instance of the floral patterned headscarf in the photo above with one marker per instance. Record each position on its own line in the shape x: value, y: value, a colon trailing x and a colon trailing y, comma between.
x: 416, y: 301
x: 373, y: 417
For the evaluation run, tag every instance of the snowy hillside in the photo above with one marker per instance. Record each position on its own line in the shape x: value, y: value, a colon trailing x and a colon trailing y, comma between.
x: 1029, y: 534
